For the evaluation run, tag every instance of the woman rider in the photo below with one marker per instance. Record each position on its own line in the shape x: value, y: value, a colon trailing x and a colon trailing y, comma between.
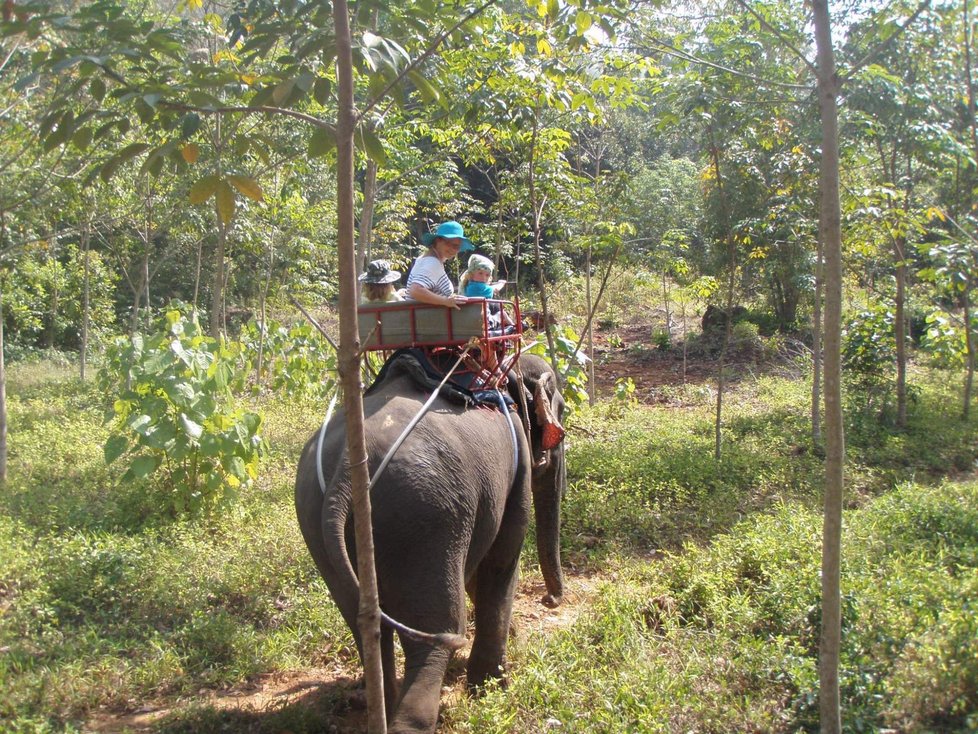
x: 428, y: 282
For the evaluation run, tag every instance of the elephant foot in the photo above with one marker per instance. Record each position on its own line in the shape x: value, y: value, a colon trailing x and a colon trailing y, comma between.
x: 480, y: 674
x: 551, y: 601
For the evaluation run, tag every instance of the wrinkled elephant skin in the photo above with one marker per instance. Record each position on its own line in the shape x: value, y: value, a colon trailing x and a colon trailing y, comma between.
x: 450, y: 513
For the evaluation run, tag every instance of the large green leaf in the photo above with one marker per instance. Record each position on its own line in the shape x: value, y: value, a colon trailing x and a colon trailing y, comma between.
x: 372, y: 145
x: 115, y: 447
x: 322, y: 141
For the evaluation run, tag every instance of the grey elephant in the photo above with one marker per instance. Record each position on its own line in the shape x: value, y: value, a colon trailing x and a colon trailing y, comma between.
x: 450, y: 512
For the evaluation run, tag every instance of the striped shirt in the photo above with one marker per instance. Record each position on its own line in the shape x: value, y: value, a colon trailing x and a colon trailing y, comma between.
x: 429, y: 273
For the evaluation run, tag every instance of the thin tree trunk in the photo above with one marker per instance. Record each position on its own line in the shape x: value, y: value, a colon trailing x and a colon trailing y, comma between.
x: 200, y: 254
x: 592, y: 393
x: 969, y: 341
x: 367, y: 216
x: 261, y: 313
x: 732, y: 265
x: 900, y: 327
x: 537, y: 209
x: 3, y: 397
x: 817, y: 346
x: 216, y: 321
x: 83, y: 357
x: 830, y: 230
x: 348, y: 363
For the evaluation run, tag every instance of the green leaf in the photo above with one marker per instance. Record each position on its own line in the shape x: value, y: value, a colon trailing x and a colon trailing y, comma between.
x: 126, y: 154
x: 429, y: 93
x: 192, y: 429
x: 372, y: 145
x: 321, y: 90
x: 143, y: 466
x: 115, y: 447
x: 140, y: 424
x: 203, y: 189
x: 190, y: 124
x: 323, y: 140
x: 97, y: 89
x: 283, y: 91
x: 83, y: 138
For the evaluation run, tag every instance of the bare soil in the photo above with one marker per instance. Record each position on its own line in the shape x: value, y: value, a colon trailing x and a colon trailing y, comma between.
x: 336, y: 691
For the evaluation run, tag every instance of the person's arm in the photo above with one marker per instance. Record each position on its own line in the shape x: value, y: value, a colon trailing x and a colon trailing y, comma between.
x: 418, y: 292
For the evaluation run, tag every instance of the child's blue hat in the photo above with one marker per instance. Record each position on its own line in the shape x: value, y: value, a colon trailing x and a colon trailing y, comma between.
x: 448, y: 230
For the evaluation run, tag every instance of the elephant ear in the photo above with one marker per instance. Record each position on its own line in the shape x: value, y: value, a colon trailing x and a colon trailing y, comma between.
x: 553, y: 432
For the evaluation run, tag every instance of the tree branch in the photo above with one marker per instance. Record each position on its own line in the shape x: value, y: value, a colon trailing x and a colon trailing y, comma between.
x: 428, y: 53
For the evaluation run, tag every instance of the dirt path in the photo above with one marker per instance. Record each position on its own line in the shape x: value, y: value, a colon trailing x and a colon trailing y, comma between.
x: 334, y: 690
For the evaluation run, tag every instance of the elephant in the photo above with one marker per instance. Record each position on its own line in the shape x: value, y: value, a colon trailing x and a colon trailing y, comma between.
x: 449, y: 515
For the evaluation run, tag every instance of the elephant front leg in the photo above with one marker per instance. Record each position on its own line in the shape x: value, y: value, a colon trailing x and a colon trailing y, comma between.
x: 493, y: 602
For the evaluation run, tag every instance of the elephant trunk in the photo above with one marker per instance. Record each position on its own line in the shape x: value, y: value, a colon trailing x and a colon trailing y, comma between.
x: 548, y: 489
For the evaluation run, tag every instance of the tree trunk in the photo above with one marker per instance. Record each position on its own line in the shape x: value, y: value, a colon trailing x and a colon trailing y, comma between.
x: 900, y: 327
x: 367, y: 216
x: 592, y: 393
x: 83, y: 356
x: 969, y: 341
x: 216, y: 321
x: 349, y: 368
x: 261, y: 313
x: 3, y: 397
x: 537, y: 209
x: 830, y: 231
x: 817, y: 346
x: 200, y: 254
x: 732, y: 265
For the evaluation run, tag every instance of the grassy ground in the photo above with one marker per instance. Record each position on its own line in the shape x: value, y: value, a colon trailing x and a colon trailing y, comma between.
x: 706, y: 615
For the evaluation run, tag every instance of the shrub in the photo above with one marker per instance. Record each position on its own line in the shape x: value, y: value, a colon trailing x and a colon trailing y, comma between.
x: 571, y: 364
x: 294, y: 358
x: 175, y: 415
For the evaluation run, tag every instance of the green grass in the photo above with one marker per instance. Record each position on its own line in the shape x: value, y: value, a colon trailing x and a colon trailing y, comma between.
x: 105, y: 602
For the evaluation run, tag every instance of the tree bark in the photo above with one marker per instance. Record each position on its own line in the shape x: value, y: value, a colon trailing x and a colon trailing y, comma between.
x: 592, y: 393
x: 900, y: 329
x: 969, y: 341
x: 830, y: 230
x: 732, y: 266
x: 83, y: 356
x: 3, y: 397
x: 817, y: 346
x: 349, y: 368
x: 216, y: 321
x: 367, y: 216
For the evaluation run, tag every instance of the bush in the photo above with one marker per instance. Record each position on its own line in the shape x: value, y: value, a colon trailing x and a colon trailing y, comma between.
x: 295, y: 358
x: 175, y: 416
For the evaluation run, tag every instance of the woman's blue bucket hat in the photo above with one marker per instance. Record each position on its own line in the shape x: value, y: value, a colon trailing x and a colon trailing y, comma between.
x: 448, y: 230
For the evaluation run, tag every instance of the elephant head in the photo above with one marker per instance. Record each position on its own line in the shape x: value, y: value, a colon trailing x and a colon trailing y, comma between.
x: 544, y: 413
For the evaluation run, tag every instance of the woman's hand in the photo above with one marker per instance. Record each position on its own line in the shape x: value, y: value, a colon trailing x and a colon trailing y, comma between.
x: 455, y: 301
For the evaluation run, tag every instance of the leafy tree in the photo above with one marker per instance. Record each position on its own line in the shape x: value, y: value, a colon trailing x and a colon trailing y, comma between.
x: 175, y: 415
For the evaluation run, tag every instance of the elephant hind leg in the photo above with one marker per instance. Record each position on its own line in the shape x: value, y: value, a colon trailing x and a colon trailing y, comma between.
x: 493, y: 602
x: 424, y: 673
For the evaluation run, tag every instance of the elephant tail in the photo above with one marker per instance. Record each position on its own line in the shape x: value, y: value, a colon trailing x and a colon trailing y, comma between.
x: 446, y: 640
x: 335, y: 546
